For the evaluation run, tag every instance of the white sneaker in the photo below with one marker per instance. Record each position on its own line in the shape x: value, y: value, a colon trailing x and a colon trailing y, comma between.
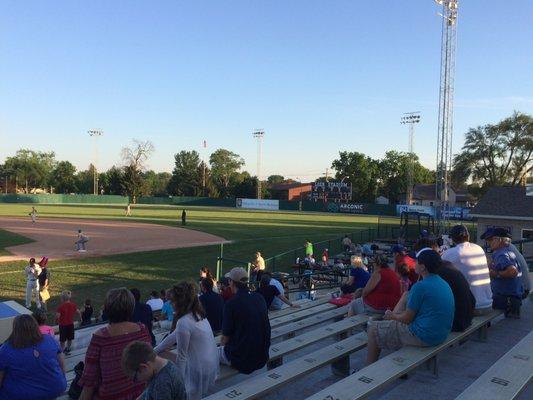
x: 82, y: 251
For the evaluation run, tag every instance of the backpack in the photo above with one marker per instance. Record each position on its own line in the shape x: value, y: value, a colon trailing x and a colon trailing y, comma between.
x: 74, y: 391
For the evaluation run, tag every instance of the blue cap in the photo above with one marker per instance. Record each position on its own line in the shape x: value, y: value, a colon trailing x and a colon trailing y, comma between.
x: 499, y: 232
x: 397, y: 248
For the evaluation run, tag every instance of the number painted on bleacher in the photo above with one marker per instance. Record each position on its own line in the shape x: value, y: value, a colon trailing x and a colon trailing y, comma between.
x: 234, y: 393
x: 329, y: 329
x: 365, y: 379
x: 274, y: 376
x: 521, y: 357
x: 500, y: 381
x: 399, y: 360
x: 301, y: 323
x: 338, y: 347
x: 330, y: 397
x: 274, y: 349
x: 310, y: 360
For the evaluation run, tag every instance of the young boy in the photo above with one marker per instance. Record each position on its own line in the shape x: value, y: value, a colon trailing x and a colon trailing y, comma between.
x: 140, y: 362
x: 65, y: 319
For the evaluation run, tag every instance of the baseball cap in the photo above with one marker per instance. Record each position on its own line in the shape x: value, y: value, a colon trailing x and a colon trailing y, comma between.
x: 397, y: 248
x: 498, y: 232
x: 237, y: 274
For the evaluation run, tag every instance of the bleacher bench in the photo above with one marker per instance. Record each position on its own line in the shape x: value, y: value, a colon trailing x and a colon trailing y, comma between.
x: 368, y: 380
x: 507, y: 378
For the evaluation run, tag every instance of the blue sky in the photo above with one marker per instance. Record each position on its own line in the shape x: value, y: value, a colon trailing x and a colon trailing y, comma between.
x: 317, y: 76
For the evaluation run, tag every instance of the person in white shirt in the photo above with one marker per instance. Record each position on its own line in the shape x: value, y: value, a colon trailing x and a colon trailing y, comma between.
x: 470, y: 259
x: 155, y: 302
x: 32, y: 272
x: 80, y: 243
x: 277, y: 303
x: 197, y: 356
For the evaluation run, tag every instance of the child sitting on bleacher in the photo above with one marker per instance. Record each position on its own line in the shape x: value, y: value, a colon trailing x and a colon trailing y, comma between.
x: 87, y: 313
x: 40, y: 317
x: 140, y: 362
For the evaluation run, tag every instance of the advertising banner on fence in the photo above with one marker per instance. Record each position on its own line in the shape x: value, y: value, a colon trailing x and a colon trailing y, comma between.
x: 457, y: 213
x: 420, y: 209
x: 352, y: 208
x: 258, y: 204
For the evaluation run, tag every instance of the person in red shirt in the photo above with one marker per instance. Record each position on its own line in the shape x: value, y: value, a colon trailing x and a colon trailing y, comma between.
x: 65, y: 319
x: 401, y: 258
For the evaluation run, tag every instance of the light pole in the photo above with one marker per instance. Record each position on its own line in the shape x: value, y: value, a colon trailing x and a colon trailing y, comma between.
x: 95, y: 133
x: 410, y: 119
x: 259, y: 134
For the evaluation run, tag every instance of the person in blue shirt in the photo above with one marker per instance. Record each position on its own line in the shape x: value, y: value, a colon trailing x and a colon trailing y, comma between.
x: 358, y: 278
x: 422, y: 317
x: 166, y: 318
x: 505, y: 273
x: 31, y: 364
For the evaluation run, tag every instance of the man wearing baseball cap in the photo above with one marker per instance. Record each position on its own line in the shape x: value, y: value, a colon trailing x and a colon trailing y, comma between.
x: 245, y: 326
x: 470, y: 259
x: 505, y: 273
x: 526, y: 283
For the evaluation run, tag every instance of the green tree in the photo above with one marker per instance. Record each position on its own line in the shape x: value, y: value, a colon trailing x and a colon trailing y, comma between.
x: 187, y: 175
x: 85, y: 180
x: 361, y: 171
x: 31, y: 169
x: 497, y: 154
x: 244, y: 186
x: 393, y: 174
x: 132, y: 182
x: 111, y: 181
x: 155, y: 184
x: 63, y: 178
x: 275, y: 180
x: 224, y: 167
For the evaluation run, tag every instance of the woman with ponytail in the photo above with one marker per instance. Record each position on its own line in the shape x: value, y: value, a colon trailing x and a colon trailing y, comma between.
x: 196, y: 352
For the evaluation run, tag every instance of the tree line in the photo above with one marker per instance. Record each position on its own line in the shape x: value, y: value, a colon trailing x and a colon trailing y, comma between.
x: 491, y: 155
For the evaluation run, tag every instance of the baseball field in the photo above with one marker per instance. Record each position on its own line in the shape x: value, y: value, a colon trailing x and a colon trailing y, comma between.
x: 149, y: 250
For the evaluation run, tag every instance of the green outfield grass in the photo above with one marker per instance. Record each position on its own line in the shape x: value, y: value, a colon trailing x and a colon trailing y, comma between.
x: 11, y: 239
x: 270, y: 232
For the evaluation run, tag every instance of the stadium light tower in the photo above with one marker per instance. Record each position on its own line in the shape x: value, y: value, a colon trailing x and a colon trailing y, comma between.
x: 95, y: 133
x: 259, y: 134
x: 445, y: 125
x: 410, y: 119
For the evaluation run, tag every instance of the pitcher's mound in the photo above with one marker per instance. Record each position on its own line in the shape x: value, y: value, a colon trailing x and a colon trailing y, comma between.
x: 55, y: 237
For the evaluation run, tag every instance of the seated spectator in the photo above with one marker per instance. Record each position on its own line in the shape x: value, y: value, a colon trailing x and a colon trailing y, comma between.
x: 400, y: 258
x: 403, y: 274
x: 325, y: 258
x: 245, y: 327
x: 423, y: 317
x: 505, y: 274
x: 142, y: 313
x: 206, y: 273
x: 154, y: 301
x: 310, y: 260
x: 225, y: 290
x: 31, y: 364
x: 87, y: 313
x: 141, y: 363
x: 269, y: 292
x: 167, y: 313
x: 470, y: 259
x: 65, y: 319
x: 258, y: 265
x: 213, y: 304
x: 197, y: 355
x: 103, y: 377
x: 358, y: 278
x: 346, y: 243
x: 277, y: 304
x: 367, y: 249
x: 40, y: 317
x: 381, y: 292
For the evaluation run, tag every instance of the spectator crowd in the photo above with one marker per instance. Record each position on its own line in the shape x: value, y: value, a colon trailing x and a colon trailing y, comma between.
x: 423, y: 296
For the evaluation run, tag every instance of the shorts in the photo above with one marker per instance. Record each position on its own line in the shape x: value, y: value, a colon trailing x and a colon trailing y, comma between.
x: 393, y: 335
x: 66, y: 332
x: 358, y: 306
